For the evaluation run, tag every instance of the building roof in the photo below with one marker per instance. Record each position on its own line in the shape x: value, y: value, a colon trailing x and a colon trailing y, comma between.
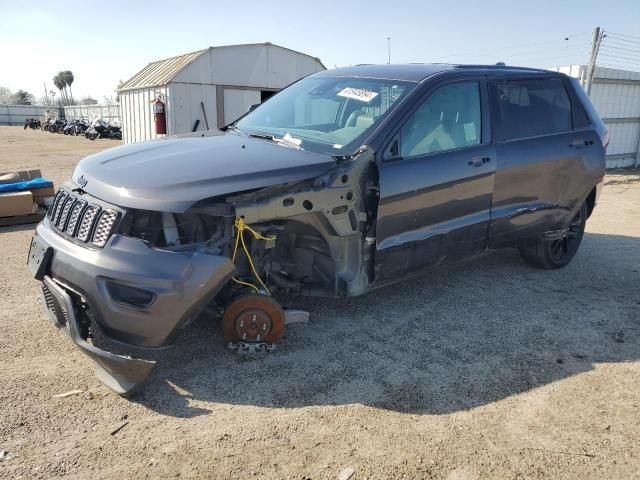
x: 415, y: 72
x: 162, y: 72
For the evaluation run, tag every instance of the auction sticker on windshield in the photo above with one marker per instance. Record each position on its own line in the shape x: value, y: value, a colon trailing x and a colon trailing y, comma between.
x: 359, y: 94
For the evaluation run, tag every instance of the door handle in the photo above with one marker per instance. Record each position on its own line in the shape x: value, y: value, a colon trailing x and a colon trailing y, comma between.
x: 478, y: 161
x: 577, y: 144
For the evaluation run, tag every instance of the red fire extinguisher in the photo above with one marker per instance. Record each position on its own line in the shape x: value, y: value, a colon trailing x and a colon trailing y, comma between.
x: 159, y: 117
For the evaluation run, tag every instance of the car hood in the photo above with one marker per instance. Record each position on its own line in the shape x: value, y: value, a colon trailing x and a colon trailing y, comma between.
x: 173, y: 173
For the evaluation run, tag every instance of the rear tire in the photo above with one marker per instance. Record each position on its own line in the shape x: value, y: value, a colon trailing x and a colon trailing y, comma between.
x: 550, y: 254
x: 93, y: 135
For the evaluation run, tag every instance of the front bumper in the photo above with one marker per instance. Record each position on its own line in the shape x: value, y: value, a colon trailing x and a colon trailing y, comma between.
x: 121, y: 373
x: 182, y: 284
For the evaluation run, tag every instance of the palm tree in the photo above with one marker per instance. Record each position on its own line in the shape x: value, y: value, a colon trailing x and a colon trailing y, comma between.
x: 67, y: 76
x: 59, y: 83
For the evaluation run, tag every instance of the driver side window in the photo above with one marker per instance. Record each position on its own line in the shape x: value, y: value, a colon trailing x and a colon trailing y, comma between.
x: 448, y: 119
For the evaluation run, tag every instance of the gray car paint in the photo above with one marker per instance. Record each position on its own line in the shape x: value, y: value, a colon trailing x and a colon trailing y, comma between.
x: 172, y: 174
x: 183, y: 283
x: 121, y: 373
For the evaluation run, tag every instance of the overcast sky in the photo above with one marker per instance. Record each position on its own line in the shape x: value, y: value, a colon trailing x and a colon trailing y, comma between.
x: 113, y: 40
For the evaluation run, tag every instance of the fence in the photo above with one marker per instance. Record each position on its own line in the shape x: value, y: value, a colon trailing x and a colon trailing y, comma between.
x: 16, y: 114
x: 616, y: 95
x: 109, y: 113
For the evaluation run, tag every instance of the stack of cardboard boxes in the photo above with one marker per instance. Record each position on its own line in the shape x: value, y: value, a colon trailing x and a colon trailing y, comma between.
x: 25, y: 206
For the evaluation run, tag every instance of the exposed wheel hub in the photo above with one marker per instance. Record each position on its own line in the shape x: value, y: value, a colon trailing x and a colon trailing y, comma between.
x: 253, y: 319
x: 253, y: 325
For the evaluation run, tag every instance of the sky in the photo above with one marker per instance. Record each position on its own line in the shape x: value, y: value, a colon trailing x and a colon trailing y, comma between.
x: 113, y: 40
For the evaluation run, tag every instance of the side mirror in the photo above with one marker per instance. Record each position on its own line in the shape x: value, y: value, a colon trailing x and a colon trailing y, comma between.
x: 392, y: 152
x: 253, y: 107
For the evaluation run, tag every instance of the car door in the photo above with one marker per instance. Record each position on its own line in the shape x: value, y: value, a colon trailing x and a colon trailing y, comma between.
x: 436, y: 181
x: 540, y: 179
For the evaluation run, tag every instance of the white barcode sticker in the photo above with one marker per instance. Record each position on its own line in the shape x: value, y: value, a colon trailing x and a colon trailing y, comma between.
x: 359, y: 94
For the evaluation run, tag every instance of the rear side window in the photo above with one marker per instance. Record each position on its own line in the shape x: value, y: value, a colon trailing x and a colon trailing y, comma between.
x: 529, y: 108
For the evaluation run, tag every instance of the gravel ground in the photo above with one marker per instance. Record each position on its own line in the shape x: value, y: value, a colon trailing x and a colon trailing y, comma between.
x: 490, y: 369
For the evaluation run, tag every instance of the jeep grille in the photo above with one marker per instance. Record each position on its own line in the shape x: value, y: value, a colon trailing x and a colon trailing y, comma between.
x: 82, y: 219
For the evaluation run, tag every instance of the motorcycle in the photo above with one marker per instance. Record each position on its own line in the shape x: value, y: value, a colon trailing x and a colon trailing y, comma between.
x: 80, y: 127
x: 61, y: 124
x: 32, y: 123
x: 69, y: 127
x: 56, y: 126
x: 102, y: 129
x: 75, y: 127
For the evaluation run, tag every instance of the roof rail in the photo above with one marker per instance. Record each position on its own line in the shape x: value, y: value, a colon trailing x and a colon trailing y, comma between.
x: 500, y: 66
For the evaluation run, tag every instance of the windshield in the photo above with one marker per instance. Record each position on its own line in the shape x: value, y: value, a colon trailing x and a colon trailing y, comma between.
x: 325, y: 114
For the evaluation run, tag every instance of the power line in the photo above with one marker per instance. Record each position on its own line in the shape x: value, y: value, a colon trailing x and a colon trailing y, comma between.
x: 616, y: 42
x: 525, y: 45
x: 606, y: 45
x: 624, y: 35
x: 620, y: 39
x: 499, y: 53
x: 622, y: 58
x: 537, y: 53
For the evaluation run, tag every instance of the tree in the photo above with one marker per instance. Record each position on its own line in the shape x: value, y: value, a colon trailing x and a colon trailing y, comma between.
x: 58, y: 81
x: 88, y: 101
x: 6, y: 95
x: 22, y: 97
x: 63, y: 80
x: 120, y: 83
x: 67, y: 76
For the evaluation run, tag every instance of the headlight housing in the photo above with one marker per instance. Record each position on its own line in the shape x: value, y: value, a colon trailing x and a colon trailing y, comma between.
x: 173, y: 230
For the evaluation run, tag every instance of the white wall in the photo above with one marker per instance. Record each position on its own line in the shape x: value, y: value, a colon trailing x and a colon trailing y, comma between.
x: 109, y: 113
x: 237, y: 102
x: 616, y: 95
x: 186, y: 108
x: 137, y: 113
x: 17, y: 114
x: 259, y: 66
x: 253, y: 67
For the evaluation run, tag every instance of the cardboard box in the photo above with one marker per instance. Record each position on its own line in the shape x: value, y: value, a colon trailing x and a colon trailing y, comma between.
x: 16, y: 203
x: 39, y: 194
x: 11, y: 177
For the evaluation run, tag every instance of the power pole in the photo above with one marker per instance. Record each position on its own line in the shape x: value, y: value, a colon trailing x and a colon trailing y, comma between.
x: 388, y: 50
x: 598, y: 35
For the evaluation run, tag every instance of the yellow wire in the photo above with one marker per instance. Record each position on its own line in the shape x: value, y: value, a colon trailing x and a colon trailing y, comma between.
x: 246, y: 283
x: 241, y: 227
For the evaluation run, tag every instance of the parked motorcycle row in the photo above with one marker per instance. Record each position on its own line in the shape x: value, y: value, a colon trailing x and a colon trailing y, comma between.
x: 97, y: 128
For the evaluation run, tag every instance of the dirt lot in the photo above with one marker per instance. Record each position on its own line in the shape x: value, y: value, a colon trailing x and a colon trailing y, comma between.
x: 490, y: 369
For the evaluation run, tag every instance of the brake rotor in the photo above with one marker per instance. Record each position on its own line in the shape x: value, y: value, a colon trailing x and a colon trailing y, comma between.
x: 253, y: 319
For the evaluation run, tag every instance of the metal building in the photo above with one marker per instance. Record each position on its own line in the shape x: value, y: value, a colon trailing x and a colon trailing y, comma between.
x: 616, y: 95
x: 213, y: 86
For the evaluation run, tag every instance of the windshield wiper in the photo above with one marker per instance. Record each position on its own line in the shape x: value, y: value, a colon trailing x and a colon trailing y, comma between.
x: 287, y: 140
x: 231, y: 127
x: 263, y: 136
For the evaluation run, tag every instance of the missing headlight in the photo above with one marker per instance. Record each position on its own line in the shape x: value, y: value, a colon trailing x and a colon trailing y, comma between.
x: 171, y: 230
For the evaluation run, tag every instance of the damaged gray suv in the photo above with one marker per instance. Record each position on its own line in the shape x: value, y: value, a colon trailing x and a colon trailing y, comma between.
x: 345, y: 181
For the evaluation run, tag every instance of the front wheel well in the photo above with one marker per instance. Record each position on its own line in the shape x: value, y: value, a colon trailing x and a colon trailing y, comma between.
x: 591, y: 202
